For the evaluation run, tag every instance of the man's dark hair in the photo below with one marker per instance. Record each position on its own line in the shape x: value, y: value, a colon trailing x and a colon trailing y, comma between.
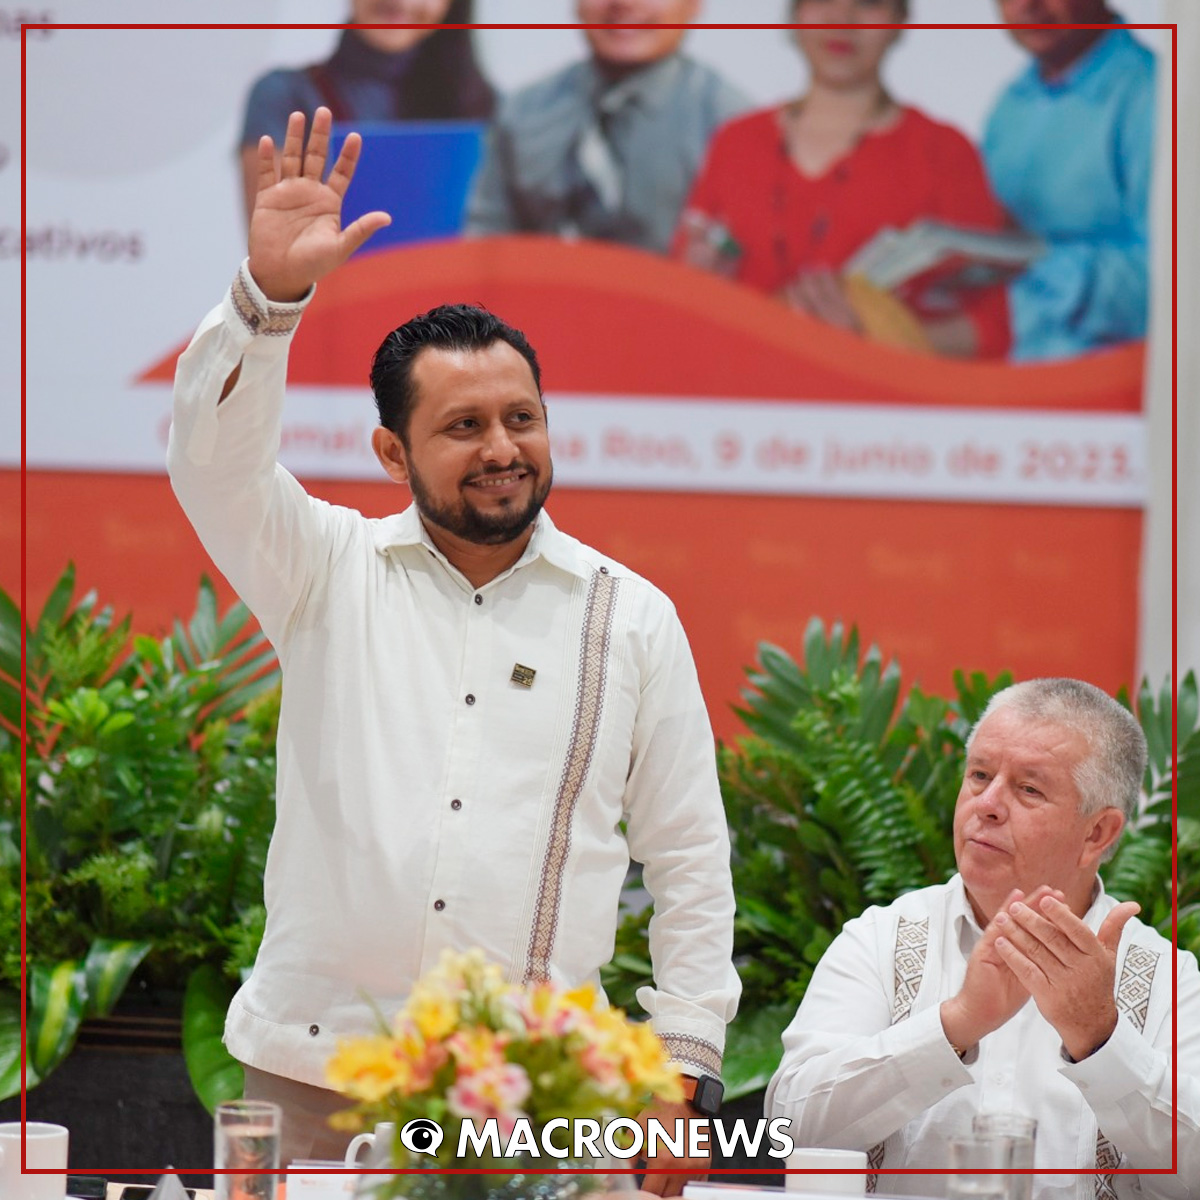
x: 447, y: 327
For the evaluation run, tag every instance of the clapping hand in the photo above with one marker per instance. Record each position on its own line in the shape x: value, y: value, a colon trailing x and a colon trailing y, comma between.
x: 992, y: 993
x: 1067, y: 969
x: 296, y: 233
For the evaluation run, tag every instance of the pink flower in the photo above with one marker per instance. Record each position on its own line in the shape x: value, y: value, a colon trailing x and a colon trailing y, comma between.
x: 497, y: 1091
x: 603, y: 1068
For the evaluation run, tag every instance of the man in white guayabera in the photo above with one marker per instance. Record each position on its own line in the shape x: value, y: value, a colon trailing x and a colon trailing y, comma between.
x: 1019, y: 986
x: 483, y: 720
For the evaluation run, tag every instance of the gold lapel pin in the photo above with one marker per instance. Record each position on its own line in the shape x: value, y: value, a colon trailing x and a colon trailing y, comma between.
x: 522, y: 675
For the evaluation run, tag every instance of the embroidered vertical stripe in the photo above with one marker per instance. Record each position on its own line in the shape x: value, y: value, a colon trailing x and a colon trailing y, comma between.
x: 589, y: 707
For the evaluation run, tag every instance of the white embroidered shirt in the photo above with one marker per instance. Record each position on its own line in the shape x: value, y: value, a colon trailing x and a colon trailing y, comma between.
x: 866, y: 1060
x: 427, y: 798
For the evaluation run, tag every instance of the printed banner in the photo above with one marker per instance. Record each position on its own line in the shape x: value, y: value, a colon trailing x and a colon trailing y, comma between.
x: 699, y: 423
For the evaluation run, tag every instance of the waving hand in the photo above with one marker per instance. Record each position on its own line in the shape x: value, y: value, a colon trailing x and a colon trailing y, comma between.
x: 296, y: 233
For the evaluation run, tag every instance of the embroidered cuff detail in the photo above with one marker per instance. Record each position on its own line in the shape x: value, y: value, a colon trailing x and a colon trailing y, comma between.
x: 694, y: 1052
x: 258, y: 314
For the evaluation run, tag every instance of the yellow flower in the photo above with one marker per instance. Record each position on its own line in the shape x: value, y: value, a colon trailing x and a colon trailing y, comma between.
x: 434, y: 1013
x: 369, y: 1068
x: 469, y: 971
x: 477, y: 1049
x: 586, y: 997
x: 633, y: 1053
x: 648, y: 1064
x: 547, y: 1012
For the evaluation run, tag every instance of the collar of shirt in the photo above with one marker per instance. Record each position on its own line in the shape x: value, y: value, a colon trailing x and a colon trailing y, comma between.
x: 650, y: 87
x: 968, y: 931
x: 1087, y: 74
x: 405, y: 529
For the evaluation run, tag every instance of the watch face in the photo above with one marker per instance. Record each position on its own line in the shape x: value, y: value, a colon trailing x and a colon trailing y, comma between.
x: 707, y: 1099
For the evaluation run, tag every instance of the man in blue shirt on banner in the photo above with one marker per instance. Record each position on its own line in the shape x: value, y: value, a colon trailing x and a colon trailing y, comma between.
x: 1069, y: 148
x: 607, y: 147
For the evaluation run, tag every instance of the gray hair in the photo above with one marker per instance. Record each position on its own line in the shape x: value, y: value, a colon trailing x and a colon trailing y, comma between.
x: 1111, y: 774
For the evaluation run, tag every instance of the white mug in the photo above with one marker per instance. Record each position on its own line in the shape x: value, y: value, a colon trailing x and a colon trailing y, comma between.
x: 45, y: 1146
x: 818, y: 1163
x: 384, y: 1132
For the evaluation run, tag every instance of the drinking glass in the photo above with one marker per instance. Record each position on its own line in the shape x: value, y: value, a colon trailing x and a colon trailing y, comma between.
x: 246, y: 1144
x: 1023, y: 1132
x: 977, y: 1160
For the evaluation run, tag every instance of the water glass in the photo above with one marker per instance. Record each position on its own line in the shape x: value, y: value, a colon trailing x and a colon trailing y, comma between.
x: 977, y: 1160
x: 1022, y: 1131
x: 246, y: 1144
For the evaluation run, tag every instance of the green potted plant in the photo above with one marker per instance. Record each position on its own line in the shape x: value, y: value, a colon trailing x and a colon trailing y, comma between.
x: 149, y: 799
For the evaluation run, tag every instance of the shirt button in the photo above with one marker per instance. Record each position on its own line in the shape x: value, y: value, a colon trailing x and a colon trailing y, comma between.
x: 478, y: 598
x: 313, y: 1030
x: 438, y: 905
x: 470, y: 698
x: 603, y: 570
x: 255, y: 320
x: 456, y: 805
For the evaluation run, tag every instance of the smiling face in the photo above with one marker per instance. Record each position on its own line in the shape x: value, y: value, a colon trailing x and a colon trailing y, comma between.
x: 1017, y: 822
x: 1056, y: 48
x: 627, y: 48
x: 840, y: 58
x: 476, y: 452
x: 397, y: 12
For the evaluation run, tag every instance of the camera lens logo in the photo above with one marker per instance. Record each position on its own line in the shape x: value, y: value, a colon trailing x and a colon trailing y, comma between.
x: 421, y: 1136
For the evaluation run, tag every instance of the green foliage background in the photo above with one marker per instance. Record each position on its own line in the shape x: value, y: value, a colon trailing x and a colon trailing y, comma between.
x: 150, y: 773
x: 150, y: 777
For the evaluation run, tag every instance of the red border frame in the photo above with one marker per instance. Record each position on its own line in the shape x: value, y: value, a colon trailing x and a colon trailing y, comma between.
x: 783, y: 25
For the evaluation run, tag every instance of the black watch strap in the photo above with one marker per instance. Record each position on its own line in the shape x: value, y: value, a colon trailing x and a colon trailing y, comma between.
x: 708, y: 1095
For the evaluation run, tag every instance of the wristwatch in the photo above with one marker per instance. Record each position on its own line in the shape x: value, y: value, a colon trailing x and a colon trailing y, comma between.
x: 706, y: 1099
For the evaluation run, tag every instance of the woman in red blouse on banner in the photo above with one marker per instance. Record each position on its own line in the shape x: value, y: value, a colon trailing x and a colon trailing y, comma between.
x: 789, y: 194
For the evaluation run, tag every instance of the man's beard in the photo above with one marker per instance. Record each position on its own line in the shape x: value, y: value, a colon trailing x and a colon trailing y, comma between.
x: 482, y: 528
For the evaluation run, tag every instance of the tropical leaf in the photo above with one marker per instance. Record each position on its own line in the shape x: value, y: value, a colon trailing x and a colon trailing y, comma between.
x: 215, y: 1074
x: 10, y: 639
x: 57, y: 1001
x: 107, y: 969
x: 10, y: 1046
x: 58, y: 602
x: 1154, y: 710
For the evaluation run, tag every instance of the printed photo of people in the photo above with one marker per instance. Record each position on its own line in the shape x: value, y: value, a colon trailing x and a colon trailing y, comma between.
x: 1021, y: 232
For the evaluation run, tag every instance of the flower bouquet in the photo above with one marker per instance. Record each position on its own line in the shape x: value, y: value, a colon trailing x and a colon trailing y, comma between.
x: 529, y: 1067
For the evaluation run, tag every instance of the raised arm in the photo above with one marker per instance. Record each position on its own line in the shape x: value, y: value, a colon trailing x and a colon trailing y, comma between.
x: 260, y: 528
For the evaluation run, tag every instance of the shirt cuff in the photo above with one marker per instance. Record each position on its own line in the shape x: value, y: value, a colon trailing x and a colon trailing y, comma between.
x: 1121, y: 1066
x: 259, y: 316
x: 692, y: 1055
x: 693, y: 1034
x: 925, y: 1056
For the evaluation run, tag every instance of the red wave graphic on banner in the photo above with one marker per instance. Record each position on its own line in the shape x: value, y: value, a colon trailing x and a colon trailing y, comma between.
x: 608, y: 319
